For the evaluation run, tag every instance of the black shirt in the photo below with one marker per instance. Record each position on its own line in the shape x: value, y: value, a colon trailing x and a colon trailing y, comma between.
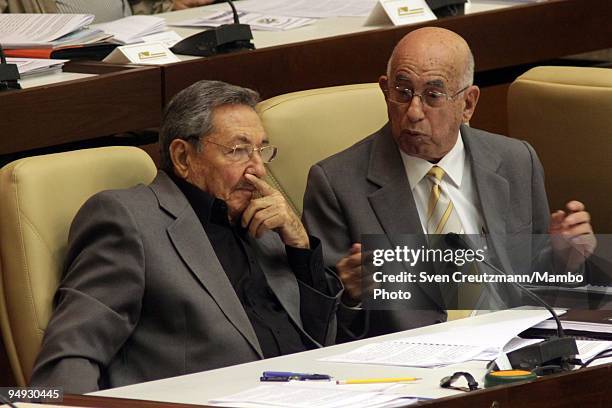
x: 276, y: 332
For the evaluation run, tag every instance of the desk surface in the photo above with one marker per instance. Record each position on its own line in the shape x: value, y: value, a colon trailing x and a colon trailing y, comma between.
x: 322, y: 28
x: 200, y: 387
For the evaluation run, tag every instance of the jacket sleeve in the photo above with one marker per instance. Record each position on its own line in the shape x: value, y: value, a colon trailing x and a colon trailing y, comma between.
x: 98, y: 302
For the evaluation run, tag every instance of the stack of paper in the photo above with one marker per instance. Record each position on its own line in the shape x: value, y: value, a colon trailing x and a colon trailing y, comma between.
x: 30, y: 66
x: 309, y: 8
x: 300, y: 394
x: 46, y: 30
x: 257, y: 21
x: 132, y: 29
x: 476, y: 341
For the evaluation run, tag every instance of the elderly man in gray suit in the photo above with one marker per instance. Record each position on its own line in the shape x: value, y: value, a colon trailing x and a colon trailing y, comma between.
x: 205, y: 267
x: 384, y: 183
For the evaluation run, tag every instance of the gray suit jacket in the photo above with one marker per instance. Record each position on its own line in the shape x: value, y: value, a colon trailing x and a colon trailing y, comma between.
x: 144, y: 296
x: 364, y: 190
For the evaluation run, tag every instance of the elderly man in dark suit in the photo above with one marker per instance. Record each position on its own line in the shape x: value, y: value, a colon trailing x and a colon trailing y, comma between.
x: 389, y: 182
x: 205, y: 267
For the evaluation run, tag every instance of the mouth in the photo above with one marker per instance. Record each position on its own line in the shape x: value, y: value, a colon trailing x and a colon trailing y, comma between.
x: 413, y: 133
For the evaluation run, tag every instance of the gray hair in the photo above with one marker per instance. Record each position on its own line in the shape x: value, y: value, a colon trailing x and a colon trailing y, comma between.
x: 189, y: 115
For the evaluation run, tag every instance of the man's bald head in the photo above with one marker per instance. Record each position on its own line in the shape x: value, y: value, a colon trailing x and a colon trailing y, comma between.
x: 429, y: 92
x: 439, y: 43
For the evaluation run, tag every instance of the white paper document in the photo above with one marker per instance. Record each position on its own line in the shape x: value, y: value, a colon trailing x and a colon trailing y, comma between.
x: 480, y: 338
x: 257, y: 21
x: 131, y: 30
x: 303, y: 395
x: 405, y: 353
x: 309, y: 8
x: 39, y: 30
x: 33, y: 66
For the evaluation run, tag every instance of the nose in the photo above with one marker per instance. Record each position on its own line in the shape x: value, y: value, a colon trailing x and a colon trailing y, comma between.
x: 414, y: 112
x: 256, y: 165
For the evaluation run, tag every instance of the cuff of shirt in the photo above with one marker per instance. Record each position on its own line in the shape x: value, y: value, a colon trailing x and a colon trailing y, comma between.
x: 307, y: 264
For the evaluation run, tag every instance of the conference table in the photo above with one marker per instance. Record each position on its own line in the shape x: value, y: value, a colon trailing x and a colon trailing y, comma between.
x: 585, y: 387
x: 506, y: 38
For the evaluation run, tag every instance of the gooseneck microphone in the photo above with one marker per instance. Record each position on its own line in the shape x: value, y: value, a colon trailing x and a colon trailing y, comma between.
x: 220, y: 40
x: 555, y: 351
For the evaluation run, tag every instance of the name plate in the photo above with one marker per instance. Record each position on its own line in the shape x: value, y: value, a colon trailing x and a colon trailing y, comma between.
x: 145, y: 53
x: 399, y: 12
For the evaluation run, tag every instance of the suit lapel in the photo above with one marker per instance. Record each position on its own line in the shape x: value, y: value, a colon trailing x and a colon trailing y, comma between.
x: 200, y: 257
x: 493, y: 191
x: 281, y: 279
x: 393, y: 203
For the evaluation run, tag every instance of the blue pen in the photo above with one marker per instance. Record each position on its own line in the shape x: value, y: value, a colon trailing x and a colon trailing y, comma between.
x: 288, y: 375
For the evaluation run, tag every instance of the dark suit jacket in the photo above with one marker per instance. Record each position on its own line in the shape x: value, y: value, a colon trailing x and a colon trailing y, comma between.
x: 364, y: 190
x: 144, y: 296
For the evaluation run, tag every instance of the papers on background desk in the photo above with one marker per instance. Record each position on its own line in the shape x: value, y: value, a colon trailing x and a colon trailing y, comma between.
x: 303, y: 394
x: 46, y: 30
x: 31, y: 66
x: 309, y: 8
x: 132, y: 29
x: 469, y: 341
x: 257, y: 21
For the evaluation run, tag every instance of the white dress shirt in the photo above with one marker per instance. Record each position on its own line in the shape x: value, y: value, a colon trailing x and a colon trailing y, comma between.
x: 458, y: 182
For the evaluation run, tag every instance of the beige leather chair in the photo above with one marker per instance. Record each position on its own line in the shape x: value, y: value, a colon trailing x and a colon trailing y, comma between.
x: 566, y: 114
x: 39, y: 197
x: 309, y: 126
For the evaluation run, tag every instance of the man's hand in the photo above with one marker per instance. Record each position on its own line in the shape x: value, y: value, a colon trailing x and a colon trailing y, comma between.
x: 572, y: 235
x: 271, y: 212
x: 349, y: 271
x: 185, y: 4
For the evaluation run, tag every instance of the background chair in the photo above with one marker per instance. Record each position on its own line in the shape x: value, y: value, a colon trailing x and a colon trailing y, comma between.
x: 566, y: 114
x: 39, y: 197
x: 309, y: 126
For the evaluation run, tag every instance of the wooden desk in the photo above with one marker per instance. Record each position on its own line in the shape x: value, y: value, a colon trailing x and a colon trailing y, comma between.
x: 118, y: 98
x: 585, y: 388
x: 125, y: 98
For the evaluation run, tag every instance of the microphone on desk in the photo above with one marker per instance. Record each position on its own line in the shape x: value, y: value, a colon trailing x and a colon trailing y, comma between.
x: 554, y: 352
x: 9, y: 74
x: 220, y: 40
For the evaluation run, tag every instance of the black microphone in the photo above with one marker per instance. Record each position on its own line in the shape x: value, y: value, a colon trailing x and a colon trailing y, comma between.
x: 9, y: 74
x: 555, y: 351
x: 220, y: 40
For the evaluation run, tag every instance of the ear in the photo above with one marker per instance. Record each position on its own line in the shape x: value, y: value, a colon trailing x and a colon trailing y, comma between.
x: 179, y: 154
x: 471, y: 99
x: 383, y: 82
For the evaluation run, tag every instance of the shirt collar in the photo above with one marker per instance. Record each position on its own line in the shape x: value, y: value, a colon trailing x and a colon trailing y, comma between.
x: 206, y: 207
x: 452, y: 163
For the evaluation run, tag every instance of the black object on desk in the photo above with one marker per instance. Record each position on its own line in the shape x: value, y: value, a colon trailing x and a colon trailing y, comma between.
x: 9, y: 74
x: 220, y: 40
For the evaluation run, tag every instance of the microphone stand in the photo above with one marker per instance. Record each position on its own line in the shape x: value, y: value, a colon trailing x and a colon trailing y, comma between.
x: 9, y: 74
x: 548, y: 356
x: 220, y: 40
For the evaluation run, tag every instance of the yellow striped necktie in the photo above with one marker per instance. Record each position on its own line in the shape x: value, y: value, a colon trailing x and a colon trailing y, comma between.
x: 442, y: 216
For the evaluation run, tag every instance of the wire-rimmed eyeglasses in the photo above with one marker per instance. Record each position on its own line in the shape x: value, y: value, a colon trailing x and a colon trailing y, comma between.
x: 244, y: 151
x: 430, y: 97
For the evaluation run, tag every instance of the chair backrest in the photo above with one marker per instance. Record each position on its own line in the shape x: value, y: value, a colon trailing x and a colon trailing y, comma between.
x: 566, y: 114
x: 309, y: 126
x: 39, y: 197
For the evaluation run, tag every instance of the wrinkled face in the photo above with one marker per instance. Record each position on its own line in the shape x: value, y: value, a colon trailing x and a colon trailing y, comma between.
x: 213, y: 169
x: 421, y: 130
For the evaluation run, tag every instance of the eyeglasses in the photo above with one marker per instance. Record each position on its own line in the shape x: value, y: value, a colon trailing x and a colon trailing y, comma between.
x: 243, y: 152
x: 430, y: 97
